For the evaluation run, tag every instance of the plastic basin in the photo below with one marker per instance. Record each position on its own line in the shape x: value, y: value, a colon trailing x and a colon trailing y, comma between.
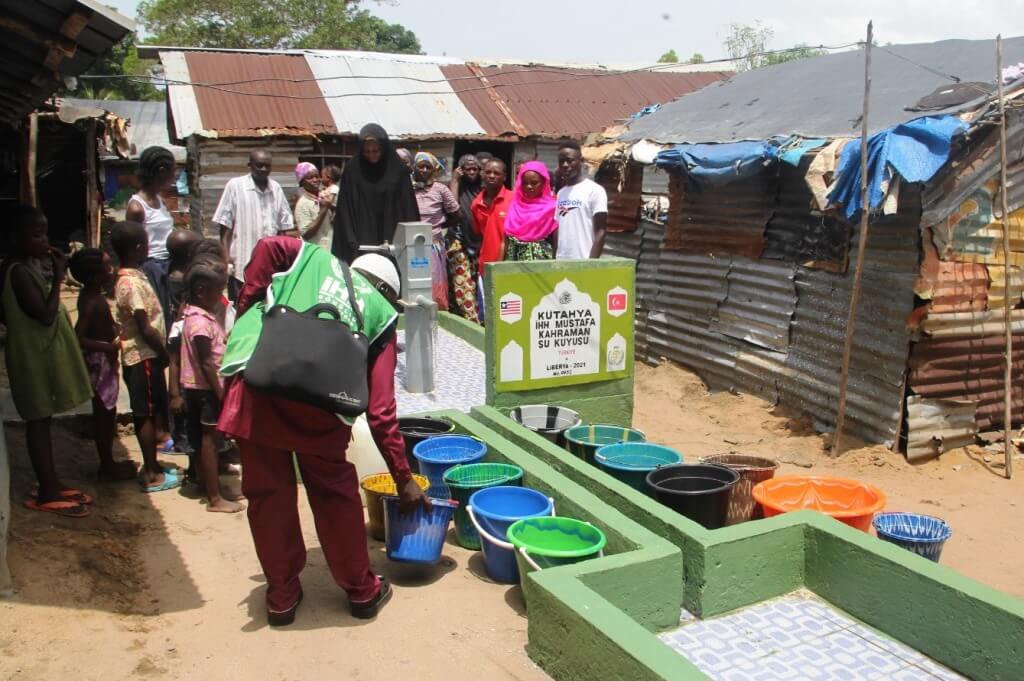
x: 850, y: 501
x: 584, y: 441
x: 376, y: 487
x: 925, y: 535
x: 419, y: 536
x: 437, y: 454
x: 494, y: 510
x: 553, y: 541
x: 548, y: 420
x: 416, y: 429
x: 752, y: 470
x: 698, y: 491
x: 464, y: 480
x: 630, y: 462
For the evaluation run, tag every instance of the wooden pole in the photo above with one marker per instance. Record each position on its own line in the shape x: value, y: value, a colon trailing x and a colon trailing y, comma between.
x: 844, y: 372
x: 91, y: 187
x: 30, y: 160
x: 1007, y: 305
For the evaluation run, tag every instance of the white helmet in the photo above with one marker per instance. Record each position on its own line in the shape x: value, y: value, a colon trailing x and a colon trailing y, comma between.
x: 381, y: 267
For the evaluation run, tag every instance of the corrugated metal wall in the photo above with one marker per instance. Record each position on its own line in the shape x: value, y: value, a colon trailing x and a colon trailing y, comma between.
x: 774, y: 327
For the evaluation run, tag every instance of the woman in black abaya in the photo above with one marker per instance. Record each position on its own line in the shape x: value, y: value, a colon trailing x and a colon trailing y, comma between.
x: 375, y: 195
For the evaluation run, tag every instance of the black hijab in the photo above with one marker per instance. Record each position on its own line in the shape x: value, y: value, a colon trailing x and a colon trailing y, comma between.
x: 372, y: 198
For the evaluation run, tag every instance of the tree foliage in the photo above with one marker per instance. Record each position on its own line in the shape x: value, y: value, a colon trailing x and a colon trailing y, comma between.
x: 272, y: 24
x: 747, y: 45
x: 122, y: 60
x: 669, y: 57
x: 697, y: 58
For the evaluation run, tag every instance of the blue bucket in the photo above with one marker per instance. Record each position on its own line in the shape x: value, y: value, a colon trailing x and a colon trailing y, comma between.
x: 925, y: 535
x: 630, y: 462
x: 419, y: 536
x: 438, y: 454
x: 493, y: 510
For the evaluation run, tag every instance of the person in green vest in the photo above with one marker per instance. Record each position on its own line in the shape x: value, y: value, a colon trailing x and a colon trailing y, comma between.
x: 268, y: 428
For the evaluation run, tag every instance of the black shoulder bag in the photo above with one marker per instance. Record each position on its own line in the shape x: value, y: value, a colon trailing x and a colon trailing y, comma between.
x: 306, y: 358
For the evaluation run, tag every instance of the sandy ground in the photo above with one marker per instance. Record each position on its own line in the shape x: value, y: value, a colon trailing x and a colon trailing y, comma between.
x: 154, y: 586
x: 674, y: 408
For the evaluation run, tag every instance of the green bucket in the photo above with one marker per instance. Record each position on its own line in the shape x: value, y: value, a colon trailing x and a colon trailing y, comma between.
x: 463, y: 480
x: 550, y: 541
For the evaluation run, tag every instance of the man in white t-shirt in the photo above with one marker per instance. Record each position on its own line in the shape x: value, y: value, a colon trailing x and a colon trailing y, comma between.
x: 582, y: 211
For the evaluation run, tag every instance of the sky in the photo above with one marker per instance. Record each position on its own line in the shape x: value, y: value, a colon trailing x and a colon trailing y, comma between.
x: 628, y: 31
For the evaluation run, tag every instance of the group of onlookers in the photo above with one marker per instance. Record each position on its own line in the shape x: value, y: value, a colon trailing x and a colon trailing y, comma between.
x: 475, y: 218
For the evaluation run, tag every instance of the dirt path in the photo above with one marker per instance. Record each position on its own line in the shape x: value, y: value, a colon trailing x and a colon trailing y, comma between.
x: 985, y: 510
x: 153, y: 586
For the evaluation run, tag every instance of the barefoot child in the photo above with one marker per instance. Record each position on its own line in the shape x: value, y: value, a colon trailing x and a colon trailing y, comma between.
x: 97, y: 335
x: 202, y: 347
x: 179, y: 245
x: 44, y: 363
x: 143, y: 354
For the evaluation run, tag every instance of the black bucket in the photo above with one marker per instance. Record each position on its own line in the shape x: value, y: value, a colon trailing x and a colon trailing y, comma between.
x: 548, y: 420
x: 698, y: 491
x: 416, y: 429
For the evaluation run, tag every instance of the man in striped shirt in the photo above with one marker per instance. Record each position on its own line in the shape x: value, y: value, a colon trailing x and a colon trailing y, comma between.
x: 252, y: 206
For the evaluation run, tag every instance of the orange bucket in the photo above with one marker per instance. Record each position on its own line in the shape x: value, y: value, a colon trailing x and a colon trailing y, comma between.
x: 849, y: 501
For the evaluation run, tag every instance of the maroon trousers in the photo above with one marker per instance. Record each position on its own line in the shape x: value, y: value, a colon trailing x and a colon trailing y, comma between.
x: 332, y: 487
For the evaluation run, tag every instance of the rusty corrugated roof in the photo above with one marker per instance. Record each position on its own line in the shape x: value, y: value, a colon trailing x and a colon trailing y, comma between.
x: 559, y: 102
x: 283, y: 107
x: 303, y: 92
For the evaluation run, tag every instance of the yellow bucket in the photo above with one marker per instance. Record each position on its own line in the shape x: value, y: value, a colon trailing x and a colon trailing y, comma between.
x: 376, y: 487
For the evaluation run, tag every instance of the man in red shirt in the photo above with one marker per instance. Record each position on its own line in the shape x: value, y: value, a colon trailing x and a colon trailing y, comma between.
x: 489, y: 209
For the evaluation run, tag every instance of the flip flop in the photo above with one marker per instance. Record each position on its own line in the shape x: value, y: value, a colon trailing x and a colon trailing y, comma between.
x: 75, y: 495
x: 167, y: 447
x: 171, y: 481
x: 68, y: 509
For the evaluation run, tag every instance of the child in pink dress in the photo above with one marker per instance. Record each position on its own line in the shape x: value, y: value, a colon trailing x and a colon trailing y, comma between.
x: 202, y: 347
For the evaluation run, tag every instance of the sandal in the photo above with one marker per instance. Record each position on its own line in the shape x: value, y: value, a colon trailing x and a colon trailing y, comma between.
x: 70, y: 494
x: 68, y: 509
x: 172, y: 480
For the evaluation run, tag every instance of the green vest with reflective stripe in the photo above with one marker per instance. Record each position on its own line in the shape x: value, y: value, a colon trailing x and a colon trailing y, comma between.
x: 315, y: 277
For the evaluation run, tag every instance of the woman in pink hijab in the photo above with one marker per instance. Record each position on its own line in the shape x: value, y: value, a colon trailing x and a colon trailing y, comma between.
x: 530, y: 227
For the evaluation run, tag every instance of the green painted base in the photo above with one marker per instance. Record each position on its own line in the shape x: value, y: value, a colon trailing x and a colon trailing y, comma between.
x: 966, y: 626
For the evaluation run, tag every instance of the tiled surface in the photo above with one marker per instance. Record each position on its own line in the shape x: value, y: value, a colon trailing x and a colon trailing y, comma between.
x: 458, y: 377
x: 797, y: 637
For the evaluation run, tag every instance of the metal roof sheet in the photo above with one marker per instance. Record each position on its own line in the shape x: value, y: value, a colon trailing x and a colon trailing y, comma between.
x: 222, y: 93
x: 560, y: 102
x: 46, y: 41
x: 822, y: 96
x: 356, y: 89
x: 281, y: 97
x: 147, y: 123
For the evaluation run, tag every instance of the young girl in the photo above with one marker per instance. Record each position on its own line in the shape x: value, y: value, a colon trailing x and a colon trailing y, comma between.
x: 202, y: 347
x: 531, y: 232
x: 44, y: 362
x: 97, y: 334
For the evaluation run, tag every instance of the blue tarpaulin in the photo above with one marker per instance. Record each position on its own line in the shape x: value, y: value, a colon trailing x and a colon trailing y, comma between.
x: 710, y: 165
x: 916, y: 150
x: 795, y: 148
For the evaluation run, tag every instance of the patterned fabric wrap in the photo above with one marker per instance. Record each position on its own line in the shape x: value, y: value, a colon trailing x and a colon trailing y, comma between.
x: 524, y: 251
x: 103, y: 377
x: 463, y: 282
